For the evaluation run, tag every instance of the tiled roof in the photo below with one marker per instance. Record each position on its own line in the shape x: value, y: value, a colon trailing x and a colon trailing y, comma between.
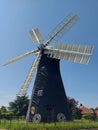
x: 85, y: 110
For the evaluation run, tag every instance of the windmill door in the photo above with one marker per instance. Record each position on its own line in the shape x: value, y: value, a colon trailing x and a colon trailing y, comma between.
x: 49, y: 113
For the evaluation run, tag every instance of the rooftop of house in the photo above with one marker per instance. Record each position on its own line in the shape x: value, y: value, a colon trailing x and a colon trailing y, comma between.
x: 85, y: 110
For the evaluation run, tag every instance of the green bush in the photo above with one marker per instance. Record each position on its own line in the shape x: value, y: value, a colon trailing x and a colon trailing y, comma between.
x: 87, y: 116
x: 7, y: 115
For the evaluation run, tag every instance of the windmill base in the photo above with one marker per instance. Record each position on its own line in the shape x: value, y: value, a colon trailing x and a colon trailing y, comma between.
x: 48, y: 101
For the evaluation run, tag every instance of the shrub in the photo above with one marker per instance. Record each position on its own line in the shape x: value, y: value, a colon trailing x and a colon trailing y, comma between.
x: 7, y: 115
x: 87, y: 116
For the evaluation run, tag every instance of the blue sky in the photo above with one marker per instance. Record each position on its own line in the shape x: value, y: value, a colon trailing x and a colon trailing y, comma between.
x: 18, y: 16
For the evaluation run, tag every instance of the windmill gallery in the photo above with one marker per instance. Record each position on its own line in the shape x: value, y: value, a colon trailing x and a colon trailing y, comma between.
x: 48, y: 101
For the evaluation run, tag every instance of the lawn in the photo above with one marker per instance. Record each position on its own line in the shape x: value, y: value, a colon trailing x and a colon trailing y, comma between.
x: 22, y: 125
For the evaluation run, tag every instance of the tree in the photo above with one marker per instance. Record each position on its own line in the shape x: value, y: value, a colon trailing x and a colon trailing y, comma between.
x: 75, y: 111
x: 94, y: 113
x: 72, y: 103
x: 19, y: 106
x: 4, y: 113
x: 3, y: 109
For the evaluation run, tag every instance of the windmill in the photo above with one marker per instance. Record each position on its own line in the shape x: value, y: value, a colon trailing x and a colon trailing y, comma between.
x: 48, y: 101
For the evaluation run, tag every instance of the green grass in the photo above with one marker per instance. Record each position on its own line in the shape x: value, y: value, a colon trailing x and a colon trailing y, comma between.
x: 22, y: 125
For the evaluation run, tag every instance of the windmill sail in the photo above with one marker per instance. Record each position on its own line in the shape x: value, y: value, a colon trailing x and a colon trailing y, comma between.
x: 36, y: 35
x: 61, y: 29
x: 75, y: 53
x: 21, y: 56
x: 25, y: 86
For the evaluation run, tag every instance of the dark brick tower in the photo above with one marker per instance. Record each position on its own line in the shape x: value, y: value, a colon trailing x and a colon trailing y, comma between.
x: 48, y: 101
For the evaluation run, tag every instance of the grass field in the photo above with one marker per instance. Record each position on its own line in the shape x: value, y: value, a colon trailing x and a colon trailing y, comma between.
x: 22, y: 125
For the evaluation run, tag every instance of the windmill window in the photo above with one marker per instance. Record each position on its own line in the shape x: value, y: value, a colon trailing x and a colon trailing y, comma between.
x: 40, y: 93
